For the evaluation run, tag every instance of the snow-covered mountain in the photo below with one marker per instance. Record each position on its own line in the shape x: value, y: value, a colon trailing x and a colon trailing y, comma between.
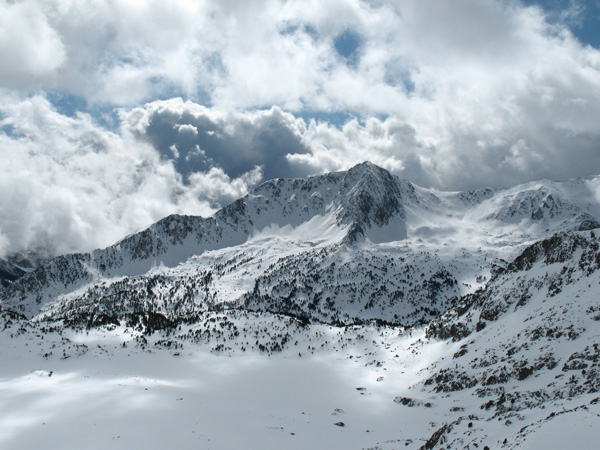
x: 455, y: 319
x: 516, y: 364
x: 9, y: 272
x: 341, y: 247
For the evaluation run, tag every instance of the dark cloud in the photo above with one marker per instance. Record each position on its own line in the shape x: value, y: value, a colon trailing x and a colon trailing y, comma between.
x: 196, y: 142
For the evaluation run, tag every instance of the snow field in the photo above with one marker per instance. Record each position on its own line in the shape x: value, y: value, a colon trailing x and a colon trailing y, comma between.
x: 112, y: 396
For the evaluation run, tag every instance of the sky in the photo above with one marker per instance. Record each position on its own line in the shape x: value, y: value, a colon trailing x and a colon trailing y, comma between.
x: 116, y: 113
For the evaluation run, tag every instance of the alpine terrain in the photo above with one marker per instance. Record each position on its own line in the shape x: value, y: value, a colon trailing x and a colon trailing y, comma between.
x: 350, y: 310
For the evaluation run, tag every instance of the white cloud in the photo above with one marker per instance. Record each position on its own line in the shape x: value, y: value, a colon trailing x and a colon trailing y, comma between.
x: 515, y: 155
x: 70, y: 185
x: 114, y: 52
x: 417, y: 59
x: 30, y: 49
x: 218, y: 187
x: 187, y: 128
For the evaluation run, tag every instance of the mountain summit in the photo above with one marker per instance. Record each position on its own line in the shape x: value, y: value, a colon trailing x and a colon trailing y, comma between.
x: 344, y: 208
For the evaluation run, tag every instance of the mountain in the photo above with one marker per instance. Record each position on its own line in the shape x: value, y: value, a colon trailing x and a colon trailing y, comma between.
x: 320, y: 212
x: 9, y: 272
x: 340, y: 247
x: 352, y: 308
x: 527, y: 343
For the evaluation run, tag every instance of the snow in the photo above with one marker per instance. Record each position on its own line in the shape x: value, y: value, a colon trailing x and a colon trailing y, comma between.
x: 393, y: 231
x: 234, y: 374
x: 576, y: 430
x: 284, y: 222
x: 112, y: 387
x: 116, y: 397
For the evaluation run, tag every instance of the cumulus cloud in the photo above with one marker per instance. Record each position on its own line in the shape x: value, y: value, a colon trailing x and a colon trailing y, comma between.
x: 493, y: 151
x: 408, y: 58
x: 30, y: 49
x: 516, y: 155
x: 197, y: 138
x: 113, y: 52
x: 70, y: 185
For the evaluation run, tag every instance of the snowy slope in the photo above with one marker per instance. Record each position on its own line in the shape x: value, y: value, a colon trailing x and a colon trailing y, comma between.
x: 351, y: 310
x: 527, y: 356
x: 334, y: 207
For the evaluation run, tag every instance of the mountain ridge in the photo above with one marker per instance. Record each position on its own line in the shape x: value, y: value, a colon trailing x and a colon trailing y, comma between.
x: 365, y: 212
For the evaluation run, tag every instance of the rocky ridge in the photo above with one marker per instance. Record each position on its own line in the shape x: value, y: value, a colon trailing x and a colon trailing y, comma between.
x: 527, y: 344
x: 338, y: 247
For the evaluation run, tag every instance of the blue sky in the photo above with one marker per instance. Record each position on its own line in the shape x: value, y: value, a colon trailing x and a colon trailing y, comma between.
x: 116, y: 113
x: 582, y: 17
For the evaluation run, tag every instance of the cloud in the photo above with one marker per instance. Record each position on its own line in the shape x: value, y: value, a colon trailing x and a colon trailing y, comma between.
x: 467, y: 160
x: 197, y: 138
x: 70, y: 185
x: 108, y: 52
x: 30, y: 49
x: 527, y: 143
x: 408, y: 58
x: 187, y: 128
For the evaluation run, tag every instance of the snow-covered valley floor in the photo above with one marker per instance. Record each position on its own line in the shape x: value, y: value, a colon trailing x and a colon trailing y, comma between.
x: 128, y: 397
x: 355, y: 388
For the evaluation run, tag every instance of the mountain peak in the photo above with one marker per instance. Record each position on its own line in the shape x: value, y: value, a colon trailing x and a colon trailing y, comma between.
x: 367, y: 170
x: 371, y: 200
